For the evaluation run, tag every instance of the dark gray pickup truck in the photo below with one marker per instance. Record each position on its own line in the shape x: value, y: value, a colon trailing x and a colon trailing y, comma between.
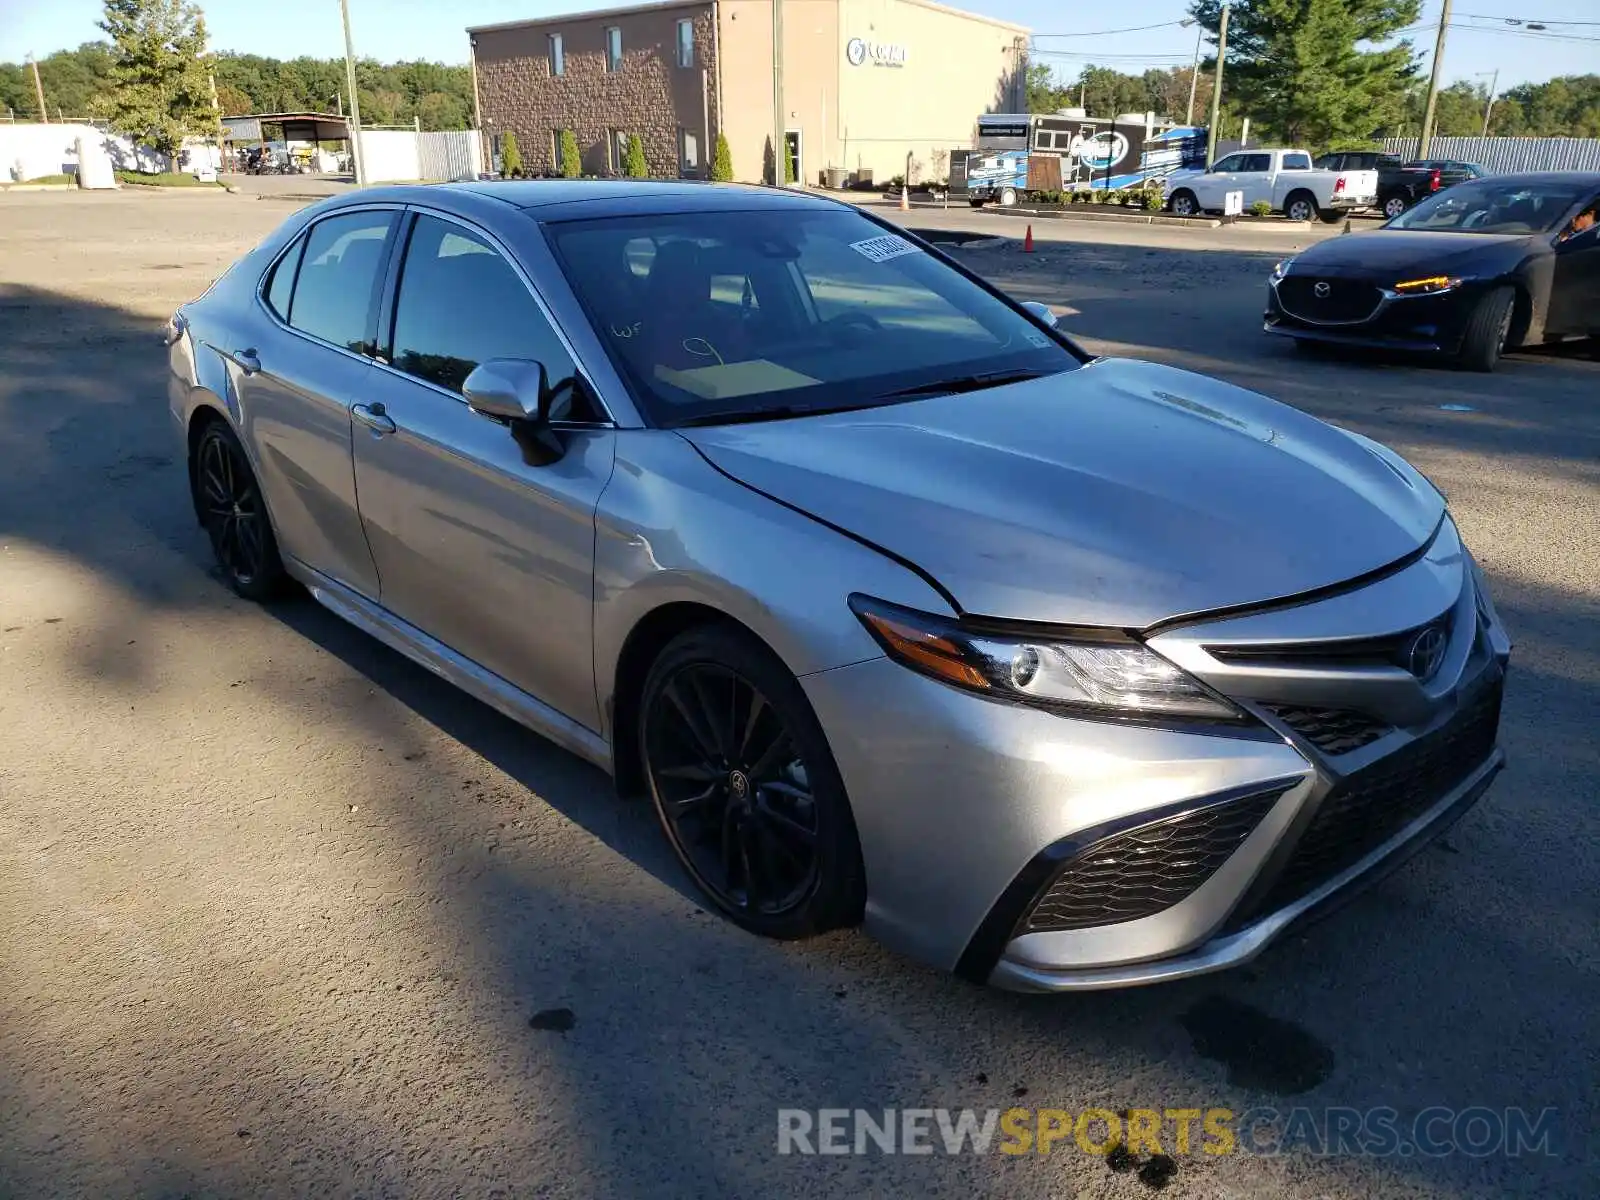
x: 1402, y: 184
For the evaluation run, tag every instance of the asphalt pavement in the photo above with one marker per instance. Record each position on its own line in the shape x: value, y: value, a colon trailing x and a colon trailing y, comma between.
x: 282, y: 914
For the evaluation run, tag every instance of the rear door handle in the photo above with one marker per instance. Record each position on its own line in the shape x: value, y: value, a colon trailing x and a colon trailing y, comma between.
x: 374, y: 416
x: 246, y: 360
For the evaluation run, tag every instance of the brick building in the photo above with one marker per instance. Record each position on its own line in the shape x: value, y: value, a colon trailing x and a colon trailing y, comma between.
x: 866, y: 82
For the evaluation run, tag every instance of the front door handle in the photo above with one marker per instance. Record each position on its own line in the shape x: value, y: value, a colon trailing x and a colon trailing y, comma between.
x: 374, y: 416
x: 246, y: 360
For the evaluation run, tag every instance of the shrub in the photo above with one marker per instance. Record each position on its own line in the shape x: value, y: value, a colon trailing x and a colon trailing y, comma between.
x: 510, y: 156
x: 788, y: 164
x: 722, y: 161
x: 1261, y: 208
x: 1153, y: 200
x: 1098, y: 196
x: 571, y: 165
x: 633, y: 162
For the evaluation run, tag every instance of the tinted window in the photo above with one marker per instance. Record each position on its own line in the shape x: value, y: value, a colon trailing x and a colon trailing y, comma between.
x: 1302, y: 162
x: 712, y: 313
x: 337, y: 287
x: 282, y: 282
x: 1255, y: 162
x: 1231, y: 163
x: 1488, y: 206
x: 462, y: 304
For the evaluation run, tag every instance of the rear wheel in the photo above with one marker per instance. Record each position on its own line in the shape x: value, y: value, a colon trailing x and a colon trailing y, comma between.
x: 1300, y: 206
x: 1394, y: 206
x: 1488, y: 330
x: 746, y: 788
x: 234, y: 515
x: 975, y: 201
x: 1008, y: 197
x: 1184, y: 204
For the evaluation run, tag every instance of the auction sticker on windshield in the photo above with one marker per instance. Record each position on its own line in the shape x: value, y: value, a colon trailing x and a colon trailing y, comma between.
x: 881, y: 249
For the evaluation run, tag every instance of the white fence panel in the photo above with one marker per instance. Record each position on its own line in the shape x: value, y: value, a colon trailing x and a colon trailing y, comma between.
x: 1506, y: 154
x: 388, y: 155
x: 450, y: 154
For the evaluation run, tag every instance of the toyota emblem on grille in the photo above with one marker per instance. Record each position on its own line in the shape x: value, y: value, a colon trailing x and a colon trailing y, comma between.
x: 1322, y: 290
x: 1426, y: 653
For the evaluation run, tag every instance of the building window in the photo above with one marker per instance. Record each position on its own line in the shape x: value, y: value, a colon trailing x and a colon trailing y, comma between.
x: 686, y: 43
x: 614, y: 48
x: 688, y: 154
x: 558, y: 55
x: 616, y: 150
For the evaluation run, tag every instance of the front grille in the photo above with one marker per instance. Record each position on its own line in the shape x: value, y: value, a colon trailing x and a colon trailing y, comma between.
x: 1331, y: 730
x: 1145, y: 870
x: 1369, y: 807
x: 1347, y: 300
x: 1386, y: 650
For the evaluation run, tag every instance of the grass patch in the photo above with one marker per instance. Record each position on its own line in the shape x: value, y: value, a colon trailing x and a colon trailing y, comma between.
x: 165, y: 179
x: 50, y: 179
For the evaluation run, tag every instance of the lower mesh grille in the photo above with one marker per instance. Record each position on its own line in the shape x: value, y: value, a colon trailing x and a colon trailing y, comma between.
x: 1145, y: 870
x: 1331, y: 730
x: 1372, y: 805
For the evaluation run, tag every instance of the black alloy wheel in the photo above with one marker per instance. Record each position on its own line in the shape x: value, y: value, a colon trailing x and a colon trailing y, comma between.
x: 234, y: 515
x: 745, y: 787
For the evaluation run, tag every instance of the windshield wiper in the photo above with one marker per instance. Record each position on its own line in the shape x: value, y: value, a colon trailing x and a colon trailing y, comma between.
x: 745, y: 416
x: 964, y: 383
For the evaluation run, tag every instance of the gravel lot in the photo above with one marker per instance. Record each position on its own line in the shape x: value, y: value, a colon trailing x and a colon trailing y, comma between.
x: 282, y: 914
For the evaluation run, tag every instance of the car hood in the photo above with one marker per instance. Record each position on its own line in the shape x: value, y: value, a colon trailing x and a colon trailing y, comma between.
x: 1121, y: 494
x: 1389, y: 255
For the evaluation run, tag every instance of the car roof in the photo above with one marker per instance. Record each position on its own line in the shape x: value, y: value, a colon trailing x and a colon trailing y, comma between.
x: 569, y: 199
x: 1582, y: 178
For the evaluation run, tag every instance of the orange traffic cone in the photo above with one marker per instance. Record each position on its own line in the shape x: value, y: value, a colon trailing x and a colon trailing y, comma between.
x: 905, y: 199
x: 1027, y: 242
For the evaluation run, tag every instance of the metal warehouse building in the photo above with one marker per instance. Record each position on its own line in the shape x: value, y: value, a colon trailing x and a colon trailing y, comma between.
x: 865, y: 83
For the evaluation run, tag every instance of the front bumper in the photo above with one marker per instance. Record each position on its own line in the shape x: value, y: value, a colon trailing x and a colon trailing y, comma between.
x: 990, y: 833
x: 1428, y: 324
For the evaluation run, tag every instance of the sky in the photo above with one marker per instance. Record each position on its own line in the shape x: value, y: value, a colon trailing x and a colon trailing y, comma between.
x: 1478, y: 42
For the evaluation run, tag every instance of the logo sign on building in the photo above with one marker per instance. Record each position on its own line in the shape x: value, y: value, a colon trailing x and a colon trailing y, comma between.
x: 859, y: 51
x: 241, y: 129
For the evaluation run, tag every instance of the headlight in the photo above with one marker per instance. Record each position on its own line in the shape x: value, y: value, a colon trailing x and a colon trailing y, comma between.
x: 1280, y: 269
x: 1112, y: 678
x: 1429, y: 286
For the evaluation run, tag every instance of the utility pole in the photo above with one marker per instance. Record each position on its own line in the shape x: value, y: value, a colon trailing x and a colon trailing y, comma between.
x: 353, y: 125
x: 780, y: 149
x: 1216, y: 89
x: 1489, y: 107
x: 1194, y: 71
x: 1426, y: 141
x: 38, y: 90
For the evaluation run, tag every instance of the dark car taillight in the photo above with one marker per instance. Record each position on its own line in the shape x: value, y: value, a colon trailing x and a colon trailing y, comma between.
x: 1434, y: 180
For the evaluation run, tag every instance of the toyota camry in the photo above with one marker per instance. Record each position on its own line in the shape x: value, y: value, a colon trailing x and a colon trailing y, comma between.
x: 901, y: 609
x: 1490, y: 265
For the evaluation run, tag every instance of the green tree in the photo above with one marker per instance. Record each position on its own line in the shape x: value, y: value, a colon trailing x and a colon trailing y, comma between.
x: 510, y: 156
x: 1044, y: 96
x: 722, y: 161
x: 571, y: 161
x: 160, y: 92
x: 633, y: 162
x: 788, y: 163
x: 1296, y: 68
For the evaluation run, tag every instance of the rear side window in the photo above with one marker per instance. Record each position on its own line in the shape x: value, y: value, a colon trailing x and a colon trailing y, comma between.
x: 336, y: 290
x: 1302, y: 162
x: 461, y: 304
x: 281, y: 284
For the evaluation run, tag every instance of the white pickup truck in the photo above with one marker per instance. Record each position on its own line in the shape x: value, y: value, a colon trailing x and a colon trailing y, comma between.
x: 1285, y: 179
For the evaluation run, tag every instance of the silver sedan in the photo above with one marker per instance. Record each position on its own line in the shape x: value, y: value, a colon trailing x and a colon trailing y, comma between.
x: 1056, y: 671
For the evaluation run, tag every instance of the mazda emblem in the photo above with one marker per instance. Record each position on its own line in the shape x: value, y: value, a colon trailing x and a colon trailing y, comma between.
x: 1322, y: 290
x: 1426, y: 653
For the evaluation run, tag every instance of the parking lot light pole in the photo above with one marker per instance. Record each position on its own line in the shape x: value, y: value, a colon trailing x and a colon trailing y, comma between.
x: 353, y: 125
x: 1216, y: 89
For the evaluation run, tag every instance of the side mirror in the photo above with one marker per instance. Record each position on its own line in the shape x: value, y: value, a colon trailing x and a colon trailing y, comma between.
x: 1042, y: 311
x: 514, y: 390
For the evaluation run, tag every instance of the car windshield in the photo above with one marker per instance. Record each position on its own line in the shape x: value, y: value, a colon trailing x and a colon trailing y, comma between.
x: 777, y: 312
x: 1491, y: 206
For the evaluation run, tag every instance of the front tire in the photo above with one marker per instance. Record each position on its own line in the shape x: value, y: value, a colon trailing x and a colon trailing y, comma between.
x: 1488, y: 330
x: 1184, y: 203
x: 745, y: 787
x: 234, y: 514
x: 975, y: 201
x: 1008, y: 197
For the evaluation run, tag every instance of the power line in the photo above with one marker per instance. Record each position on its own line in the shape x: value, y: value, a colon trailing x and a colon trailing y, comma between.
x: 1108, y: 32
x: 1538, y: 37
x: 1526, y: 20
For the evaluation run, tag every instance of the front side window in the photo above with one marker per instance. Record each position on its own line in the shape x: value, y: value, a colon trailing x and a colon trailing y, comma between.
x: 613, y: 48
x: 1488, y: 206
x: 558, y: 55
x: 1255, y: 162
x: 336, y: 290
x: 460, y: 304
x: 708, y: 314
x: 1231, y: 163
x: 686, y: 43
